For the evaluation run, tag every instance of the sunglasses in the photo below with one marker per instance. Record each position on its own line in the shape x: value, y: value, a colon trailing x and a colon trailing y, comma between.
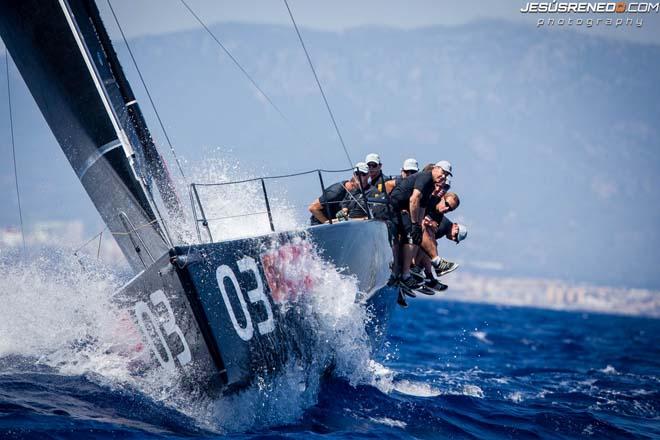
x: 362, y: 174
x: 447, y: 205
x: 372, y: 165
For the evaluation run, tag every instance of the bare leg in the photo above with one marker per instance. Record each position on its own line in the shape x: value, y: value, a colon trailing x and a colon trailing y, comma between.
x: 429, y: 245
x: 396, y: 264
x: 409, y: 251
x: 424, y: 261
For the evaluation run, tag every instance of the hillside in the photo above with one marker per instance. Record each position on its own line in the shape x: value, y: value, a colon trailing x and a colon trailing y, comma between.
x: 553, y: 136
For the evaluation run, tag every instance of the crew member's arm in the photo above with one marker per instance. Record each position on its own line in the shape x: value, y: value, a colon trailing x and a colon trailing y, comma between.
x: 346, y: 205
x: 415, y: 209
x: 316, y: 208
x: 351, y: 185
x: 389, y: 185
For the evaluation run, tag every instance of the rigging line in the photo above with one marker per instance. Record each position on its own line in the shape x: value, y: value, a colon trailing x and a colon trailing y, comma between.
x: 144, y: 84
x: 115, y: 234
x: 89, y: 241
x: 311, y: 65
x: 13, y: 153
x: 135, y: 229
x: 98, y: 250
x: 356, y: 200
x: 235, y: 61
x: 254, y: 179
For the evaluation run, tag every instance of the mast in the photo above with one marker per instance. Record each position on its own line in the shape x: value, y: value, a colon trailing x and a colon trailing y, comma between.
x: 65, y: 56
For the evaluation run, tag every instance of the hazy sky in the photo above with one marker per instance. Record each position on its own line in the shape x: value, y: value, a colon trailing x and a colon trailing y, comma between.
x: 196, y: 78
x: 158, y: 16
x: 144, y: 17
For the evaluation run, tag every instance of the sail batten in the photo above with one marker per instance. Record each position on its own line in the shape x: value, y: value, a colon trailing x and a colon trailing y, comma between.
x: 96, y: 155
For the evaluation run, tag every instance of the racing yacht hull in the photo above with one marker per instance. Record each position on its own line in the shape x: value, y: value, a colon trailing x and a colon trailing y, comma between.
x: 224, y: 313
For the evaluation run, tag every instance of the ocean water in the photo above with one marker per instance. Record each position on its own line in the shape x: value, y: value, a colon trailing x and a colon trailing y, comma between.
x: 447, y: 370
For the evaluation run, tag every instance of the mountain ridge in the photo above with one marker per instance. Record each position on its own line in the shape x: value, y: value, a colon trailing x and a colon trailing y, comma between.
x: 552, y: 134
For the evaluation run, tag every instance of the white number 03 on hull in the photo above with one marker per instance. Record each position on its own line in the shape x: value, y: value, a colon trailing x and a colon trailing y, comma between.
x: 169, y: 326
x: 157, y: 329
x: 246, y: 264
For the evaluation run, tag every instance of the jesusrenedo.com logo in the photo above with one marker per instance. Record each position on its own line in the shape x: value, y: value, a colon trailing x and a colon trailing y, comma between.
x: 603, y: 13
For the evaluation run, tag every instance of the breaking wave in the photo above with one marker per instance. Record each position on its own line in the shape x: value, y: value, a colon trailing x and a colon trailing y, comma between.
x: 65, y: 366
x: 61, y: 315
x: 57, y: 314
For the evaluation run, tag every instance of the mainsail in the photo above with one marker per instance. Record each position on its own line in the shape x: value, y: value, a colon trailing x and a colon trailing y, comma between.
x: 64, y: 54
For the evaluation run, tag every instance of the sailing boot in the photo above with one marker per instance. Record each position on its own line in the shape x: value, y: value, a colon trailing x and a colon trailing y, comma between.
x: 444, y: 267
x: 417, y: 272
x: 401, y: 300
x: 434, y: 284
x: 409, y: 285
x: 393, y: 280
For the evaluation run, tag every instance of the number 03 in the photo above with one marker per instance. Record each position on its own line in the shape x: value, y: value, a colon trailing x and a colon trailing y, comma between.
x: 142, y: 309
x: 246, y: 264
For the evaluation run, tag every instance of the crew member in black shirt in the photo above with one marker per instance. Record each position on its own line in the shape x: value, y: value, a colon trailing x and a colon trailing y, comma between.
x: 409, y: 200
x: 355, y: 206
x: 452, y: 231
x: 441, y: 204
x: 334, y: 194
x: 436, y: 225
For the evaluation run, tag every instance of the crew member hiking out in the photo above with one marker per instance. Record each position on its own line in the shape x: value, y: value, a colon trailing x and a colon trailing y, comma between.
x: 409, y: 201
x: 434, y: 226
x: 410, y: 167
x: 455, y: 232
x: 378, y: 195
x: 355, y: 206
x: 329, y: 203
x: 439, y: 206
x: 376, y: 177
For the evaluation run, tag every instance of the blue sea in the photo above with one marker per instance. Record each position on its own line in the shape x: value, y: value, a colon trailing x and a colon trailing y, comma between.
x: 447, y: 370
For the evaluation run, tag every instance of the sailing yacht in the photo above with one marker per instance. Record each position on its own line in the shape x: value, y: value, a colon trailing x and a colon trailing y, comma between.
x: 218, y: 313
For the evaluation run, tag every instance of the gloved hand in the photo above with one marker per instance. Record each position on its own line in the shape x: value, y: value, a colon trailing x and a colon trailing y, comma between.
x: 416, y: 233
x: 342, y: 216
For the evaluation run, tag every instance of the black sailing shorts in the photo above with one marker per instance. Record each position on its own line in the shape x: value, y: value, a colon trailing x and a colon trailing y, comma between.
x: 403, y: 226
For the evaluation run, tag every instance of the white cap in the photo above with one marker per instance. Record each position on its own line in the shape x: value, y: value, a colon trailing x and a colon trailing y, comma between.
x: 372, y: 157
x: 410, y: 165
x: 446, y: 166
x: 462, y: 233
x: 361, y: 167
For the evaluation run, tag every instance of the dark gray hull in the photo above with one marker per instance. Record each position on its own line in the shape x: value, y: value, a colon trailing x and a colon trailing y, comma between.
x: 223, y: 313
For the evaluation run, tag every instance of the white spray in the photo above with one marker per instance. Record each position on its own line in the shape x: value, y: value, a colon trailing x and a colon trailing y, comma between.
x: 58, y: 314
